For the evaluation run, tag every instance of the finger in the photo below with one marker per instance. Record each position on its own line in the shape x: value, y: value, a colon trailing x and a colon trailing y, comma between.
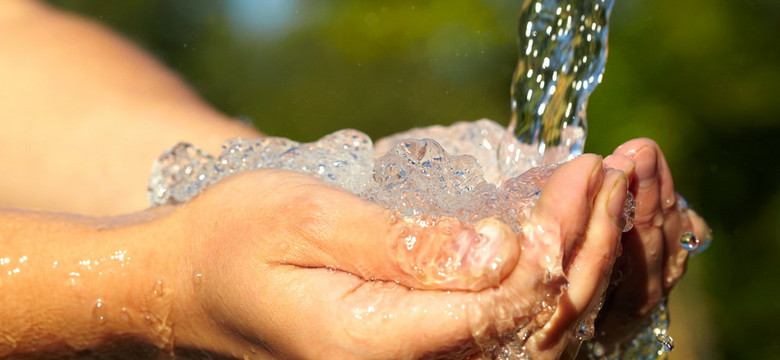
x: 360, y: 316
x: 557, y: 221
x: 692, y: 236
x: 319, y: 226
x: 561, y: 214
x: 562, y: 211
x: 426, y: 253
x: 632, y: 148
x: 677, y: 229
x: 641, y: 265
x: 676, y: 223
x: 622, y: 163
x: 628, y: 167
x: 589, y: 274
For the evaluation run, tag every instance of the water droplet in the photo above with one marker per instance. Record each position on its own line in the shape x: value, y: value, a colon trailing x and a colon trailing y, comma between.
x: 584, y: 331
x: 124, y: 315
x: 682, y: 204
x: 689, y: 241
x: 197, y: 281
x: 665, y: 340
x: 629, y: 211
x: 393, y: 219
x: 158, y: 289
x: 99, y: 312
x: 73, y: 278
x: 410, y: 241
x: 148, y: 318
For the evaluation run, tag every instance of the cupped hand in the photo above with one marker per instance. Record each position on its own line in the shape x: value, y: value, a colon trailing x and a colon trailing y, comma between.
x: 652, y: 259
x: 281, y: 265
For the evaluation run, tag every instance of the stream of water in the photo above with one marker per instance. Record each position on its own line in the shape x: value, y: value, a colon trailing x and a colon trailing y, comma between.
x: 562, y: 52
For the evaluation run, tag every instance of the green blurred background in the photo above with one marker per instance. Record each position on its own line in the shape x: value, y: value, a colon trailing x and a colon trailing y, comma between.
x: 701, y: 77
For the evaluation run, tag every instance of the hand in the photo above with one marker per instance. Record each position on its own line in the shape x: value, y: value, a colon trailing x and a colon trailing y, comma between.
x: 279, y: 264
x: 653, y: 260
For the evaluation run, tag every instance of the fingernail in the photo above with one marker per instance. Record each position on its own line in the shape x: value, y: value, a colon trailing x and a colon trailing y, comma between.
x: 621, y: 162
x: 596, y: 175
x: 497, y: 256
x: 617, y: 197
x: 646, y: 170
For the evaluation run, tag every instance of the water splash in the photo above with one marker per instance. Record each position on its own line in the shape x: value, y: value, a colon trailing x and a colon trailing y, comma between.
x: 651, y: 343
x: 629, y: 211
x: 563, y: 49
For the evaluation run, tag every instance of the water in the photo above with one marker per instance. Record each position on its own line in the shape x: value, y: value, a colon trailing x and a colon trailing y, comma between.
x: 99, y: 311
x: 689, y: 241
x: 426, y: 181
x: 467, y: 174
x: 563, y: 49
x: 651, y: 343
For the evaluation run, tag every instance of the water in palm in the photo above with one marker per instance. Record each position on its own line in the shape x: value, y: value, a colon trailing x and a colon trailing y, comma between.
x: 468, y: 171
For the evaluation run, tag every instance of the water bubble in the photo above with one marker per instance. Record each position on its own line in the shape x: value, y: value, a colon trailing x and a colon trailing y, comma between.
x: 629, y: 211
x: 585, y: 330
x: 99, y: 311
x: 689, y: 241
x: 665, y: 340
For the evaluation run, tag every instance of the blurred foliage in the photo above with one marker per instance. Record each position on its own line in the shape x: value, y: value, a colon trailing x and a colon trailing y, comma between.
x: 701, y: 77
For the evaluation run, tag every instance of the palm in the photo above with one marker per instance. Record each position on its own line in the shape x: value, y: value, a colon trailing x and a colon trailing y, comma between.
x: 307, y: 271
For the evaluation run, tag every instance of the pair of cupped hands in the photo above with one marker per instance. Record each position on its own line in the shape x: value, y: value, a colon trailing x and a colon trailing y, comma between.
x: 285, y: 266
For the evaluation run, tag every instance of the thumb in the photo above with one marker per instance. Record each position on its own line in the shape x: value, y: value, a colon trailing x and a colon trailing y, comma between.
x: 421, y: 253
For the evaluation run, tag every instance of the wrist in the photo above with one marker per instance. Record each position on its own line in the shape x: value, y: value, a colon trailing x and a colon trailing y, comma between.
x: 199, y: 323
x: 147, y: 286
x: 76, y: 283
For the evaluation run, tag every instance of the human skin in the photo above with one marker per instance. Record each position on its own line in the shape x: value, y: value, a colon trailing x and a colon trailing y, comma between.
x: 83, y: 110
x: 101, y: 93
x: 244, y: 272
x: 652, y: 260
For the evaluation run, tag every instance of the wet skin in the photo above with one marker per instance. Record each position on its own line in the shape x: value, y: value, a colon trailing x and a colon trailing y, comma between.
x: 652, y: 260
x: 276, y: 264
x: 343, y: 313
x: 291, y: 268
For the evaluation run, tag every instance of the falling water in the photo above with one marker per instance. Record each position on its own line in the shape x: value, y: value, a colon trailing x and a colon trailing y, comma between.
x: 563, y: 48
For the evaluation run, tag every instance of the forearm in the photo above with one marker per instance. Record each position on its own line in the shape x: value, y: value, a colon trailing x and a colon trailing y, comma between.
x: 84, y: 114
x: 77, y: 283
